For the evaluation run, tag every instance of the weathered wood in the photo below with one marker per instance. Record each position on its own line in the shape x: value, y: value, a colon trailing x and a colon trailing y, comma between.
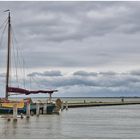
x: 37, y: 109
x: 28, y: 110
x: 66, y: 104
x: 45, y: 108
x: 15, y: 112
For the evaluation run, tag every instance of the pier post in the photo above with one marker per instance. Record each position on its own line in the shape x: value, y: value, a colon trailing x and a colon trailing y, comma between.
x: 8, y: 118
x: 62, y: 106
x: 37, y: 109
x: 28, y: 110
x: 21, y: 115
x: 50, y: 97
x: 15, y: 112
x: 45, y: 108
x: 66, y: 105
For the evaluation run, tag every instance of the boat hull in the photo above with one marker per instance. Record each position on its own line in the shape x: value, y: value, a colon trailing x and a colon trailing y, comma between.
x: 49, y: 109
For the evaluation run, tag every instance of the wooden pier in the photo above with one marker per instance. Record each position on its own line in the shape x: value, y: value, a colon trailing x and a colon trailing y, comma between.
x: 41, y: 108
x: 91, y: 104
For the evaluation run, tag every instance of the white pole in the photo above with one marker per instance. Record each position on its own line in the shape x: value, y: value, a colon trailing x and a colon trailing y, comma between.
x: 37, y: 109
x: 66, y: 105
x: 15, y: 112
x: 45, y: 108
x: 50, y: 98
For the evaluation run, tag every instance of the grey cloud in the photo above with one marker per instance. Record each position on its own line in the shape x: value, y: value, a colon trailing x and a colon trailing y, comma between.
x: 99, y: 35
x: 135, y: 72
x: 86, y: 85
x: 66, y: 20
x: 118, y: 81
x: 84, y: 73
x: 46, y: 73
x: 111, y: 73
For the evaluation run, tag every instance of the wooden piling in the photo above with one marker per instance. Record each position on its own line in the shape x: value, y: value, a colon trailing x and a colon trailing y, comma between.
x: 21, y: 115
x: 15, y: 112
x: 66, y: 105
x: 8, y: 118
x: 62, y: 106
x: 37, y: 109
x: 28, y: 110
x: 45, y: 108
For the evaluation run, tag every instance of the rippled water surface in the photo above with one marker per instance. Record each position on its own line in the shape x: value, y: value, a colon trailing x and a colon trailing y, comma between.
x: 90, y: 122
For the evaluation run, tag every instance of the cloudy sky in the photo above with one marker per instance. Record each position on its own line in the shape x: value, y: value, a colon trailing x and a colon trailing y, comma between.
x: 80, y: 48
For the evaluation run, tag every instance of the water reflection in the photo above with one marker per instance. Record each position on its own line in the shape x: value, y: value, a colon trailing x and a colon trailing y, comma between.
x: 5, y: 128
x: 8, y: 128
x: 93, y: 122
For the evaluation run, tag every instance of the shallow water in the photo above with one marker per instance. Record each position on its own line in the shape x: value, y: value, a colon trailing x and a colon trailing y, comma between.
x: 91, y: 122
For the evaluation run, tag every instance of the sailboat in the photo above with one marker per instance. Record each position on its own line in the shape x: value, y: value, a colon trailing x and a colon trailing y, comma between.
x: 6, y: 105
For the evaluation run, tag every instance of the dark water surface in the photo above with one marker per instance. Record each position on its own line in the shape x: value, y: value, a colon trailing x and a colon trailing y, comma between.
x: 91, y: 122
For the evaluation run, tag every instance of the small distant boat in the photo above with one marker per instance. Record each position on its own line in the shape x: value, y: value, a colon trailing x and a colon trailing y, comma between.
x: 6, y: 105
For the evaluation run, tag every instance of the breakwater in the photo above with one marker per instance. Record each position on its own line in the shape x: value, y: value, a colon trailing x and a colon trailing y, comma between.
x: 91, y: 104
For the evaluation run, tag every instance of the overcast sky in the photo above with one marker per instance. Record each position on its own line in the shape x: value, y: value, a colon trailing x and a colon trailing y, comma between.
x: 79, y: 48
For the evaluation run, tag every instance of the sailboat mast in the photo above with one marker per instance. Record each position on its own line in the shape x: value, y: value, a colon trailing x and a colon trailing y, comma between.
x: 8, y: 54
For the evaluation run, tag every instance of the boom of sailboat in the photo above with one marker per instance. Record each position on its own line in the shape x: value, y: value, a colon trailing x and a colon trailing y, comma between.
x: 27, y: 92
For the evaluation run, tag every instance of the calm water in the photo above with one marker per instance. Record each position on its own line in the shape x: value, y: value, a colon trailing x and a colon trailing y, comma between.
x: 92, y: 122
